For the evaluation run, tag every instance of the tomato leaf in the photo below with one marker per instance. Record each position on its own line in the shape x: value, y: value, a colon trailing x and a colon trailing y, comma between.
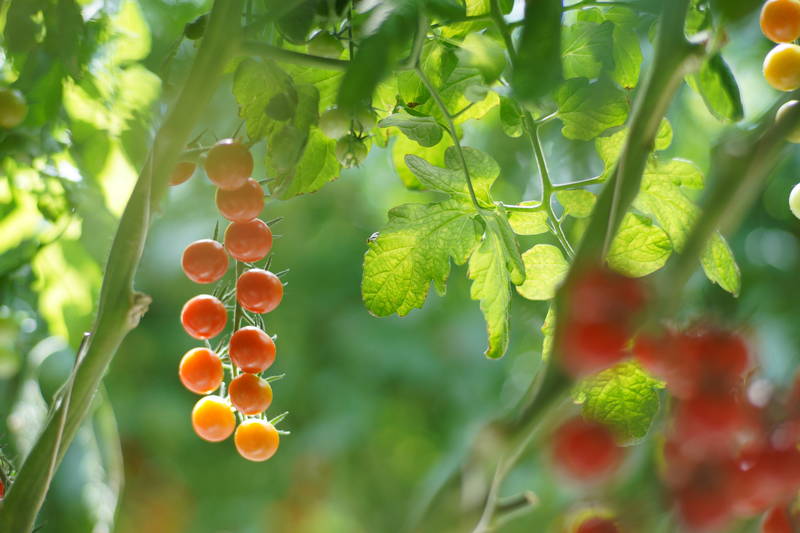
x: 716, y: 84
x: 639, y: 248
x: 424, y: 130
x: 545, y: 269
x: 538, y: 68
x: 588, y: 109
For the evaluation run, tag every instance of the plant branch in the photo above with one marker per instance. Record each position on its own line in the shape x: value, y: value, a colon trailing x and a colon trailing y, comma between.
x: 269, y: 51
x: 119, y: 307
x: 500, y: 23
x: 595, y: 3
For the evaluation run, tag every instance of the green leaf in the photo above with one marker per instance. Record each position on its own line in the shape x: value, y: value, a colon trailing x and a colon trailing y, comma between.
x: 413, y: 250
x: 583, y: 47
x: 610, y: 147
x: 490, y: 275
x: 720, y: 265
x: 326, y: 81
x: 483, y: 171
x: 317, y: 166
x: 731, y: 10
x: 663, y: 135
x: 577, y: 202
x: 716, y: 84
x: 498, y: 222
x: 623, y: 397
x: 255, y: 83
x: 455, y: 93
x: 639, y: 248
x: 528, y: 222
x: 510, y: 119
x: 485, y: 54
x: 445, y: 9
x: 548, y: 332
x: 437, y: 61
x: 377, y: 54
x: 545, y: 269
x: 404, y: 146
x: 538, y: 67
x: 424, y: 130
x: 588, y: 109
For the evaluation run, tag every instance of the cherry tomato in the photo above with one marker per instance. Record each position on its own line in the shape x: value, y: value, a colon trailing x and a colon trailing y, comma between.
x: 782, y: 67
x: 204, y: 261
x: 256, y: 440
x: 204, y: 317
x: 794, y: 200
x: 780, y: 20
x: 2, y: 489
x: 200, y: 370
x: 252, y: 350
x: 793, y: 136
x: 334, y: 123
x: 777, y: 520
x: 242, y: 204
x: 259, y: 291
x: 229, y: 164
x: 248, y: 241
x: 585, y: 451
x: 250, y: 394
x: 597, y: 524
x: 213, y: 419
x: 589, y: 347
x: 182, y: 172
x: 12, y: 108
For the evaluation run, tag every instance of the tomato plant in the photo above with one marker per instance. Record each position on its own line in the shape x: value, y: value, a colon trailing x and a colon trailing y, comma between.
x: 612, y: 183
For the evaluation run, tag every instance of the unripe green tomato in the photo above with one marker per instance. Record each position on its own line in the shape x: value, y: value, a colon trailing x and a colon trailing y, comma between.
x: 794, y: 136
x: 334, y: 123
x: 366, y: 118
x: 326, y: 45
x: 350, y: 151
x: 12, y: 108
x: 794, y: 200
x: 196, y: 28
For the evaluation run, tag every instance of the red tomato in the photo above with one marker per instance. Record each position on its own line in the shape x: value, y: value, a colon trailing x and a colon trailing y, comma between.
x: 204, y: 261
x: 252, y: 350
x: 242, y: 204
x: 250, y: 394
x: 248, y: 241
x: 259, y: 291
x: 200, y: 370
x: 204, y: 317
x: 585, y: 451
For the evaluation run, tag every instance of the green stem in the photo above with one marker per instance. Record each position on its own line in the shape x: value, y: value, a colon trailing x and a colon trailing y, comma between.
x: 523, y: 208
x: 595, y: 3
x: 451, y: 129
x: 119, y: 307
x: 500, y: 22
x: 578, y: 184
x: 269, y: 51
x: 460, y: 20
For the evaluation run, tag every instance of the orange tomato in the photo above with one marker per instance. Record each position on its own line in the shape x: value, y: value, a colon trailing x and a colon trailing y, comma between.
x: 780, y: 20
x: 252, y: 350
x: 204, y: 261
x: 213, y: 419
x: 782, y: 67
x: 242, y: 204
x: 200, y: 370
x: 182, y: 172
x: 259, y: 291
x: 204, y: 317
x: 228, y: 164
x: 256, y: 440
x: 248, y: 241
x: 250, y: 394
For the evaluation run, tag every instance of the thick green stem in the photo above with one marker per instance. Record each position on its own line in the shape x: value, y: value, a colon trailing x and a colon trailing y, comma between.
x: 254, y: 48
x: 120, y: 307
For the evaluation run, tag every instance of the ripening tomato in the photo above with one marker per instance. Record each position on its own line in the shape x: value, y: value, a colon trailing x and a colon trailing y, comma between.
x: 242, y: 204
x: 213, y: 419
x: 256, y: 440
x: 248, y: 241
x: 12, y: 108
x: 782, y: 67
x: 710, y: 422
x: 229, y: 164
x: 601, y: 295
x: 204, y: 317
x: 794, y: 200
x: 250, y: 394
x: 2, y: 489
x: 200, y: 370
x: 703, y: 508
x: 589, y: 347
x: 259, y: 290
x: 204, y: 261
x: 794, y: 135
x: 252, y: 350
x: 585, y: 451
x: 597, y: 524
x: 764, y: 478
x: 780, y: 20
x: 182, y: 172
x: 777, y: 520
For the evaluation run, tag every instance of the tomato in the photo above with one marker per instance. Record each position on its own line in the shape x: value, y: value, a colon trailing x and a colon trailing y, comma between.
x: 242, y: 204
x: 585, y: 451
x: 256, y: 440
x: 200, y: 370
x: 709, y: 423
x: 350, y: 151
x: 601, y: 295
x: 259, y: 291
x: 229, y: 164
x: 777, y: 520
x: 334, y: 123
x: 248, y: 241
x: 2, y: 489
x: 366, y: 119
x: 793, y: 136
x: 589, y: 347
x: 252, y: 350
x: 204, y: 261
x: 182, y: 172
x: 13, y: 108
x: 597, y: 524
x: 324, y: 44
x: 782, y: 67
x: 250, y: 394
x: 780, y: 20
x: 213, y: 419
x: 794, y: 200
x: 204, y: 317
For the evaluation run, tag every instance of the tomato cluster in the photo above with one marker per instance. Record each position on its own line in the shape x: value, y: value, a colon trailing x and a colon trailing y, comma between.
x: 349, y: 129
x: 249, y: 351
x: 730, y: 448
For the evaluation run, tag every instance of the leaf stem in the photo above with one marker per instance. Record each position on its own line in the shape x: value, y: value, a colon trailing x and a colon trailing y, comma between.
x: 497, y: 16
x: 595, y: 3
x: 255, y: 48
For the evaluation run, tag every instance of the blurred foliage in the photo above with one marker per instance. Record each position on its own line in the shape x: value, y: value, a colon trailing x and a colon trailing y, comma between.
x: 375, y: 404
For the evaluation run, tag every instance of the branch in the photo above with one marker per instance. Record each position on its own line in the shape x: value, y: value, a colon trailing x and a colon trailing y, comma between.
x: 119, y: 307
x: 268, y: 51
